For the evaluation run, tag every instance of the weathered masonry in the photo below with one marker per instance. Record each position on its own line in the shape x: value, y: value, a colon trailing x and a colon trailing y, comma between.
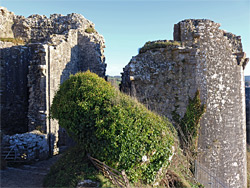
x: 205, y: 58
x: 248, y: 113
x: 52, y: 49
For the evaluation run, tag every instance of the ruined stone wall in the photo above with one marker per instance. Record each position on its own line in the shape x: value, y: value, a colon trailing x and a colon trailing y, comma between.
x: 91, y: 49
x: 247, y: 89
x: 162, y: 79
x: 63, y: 61
x: 6, y: 22
x: 14, y: 91
x: 211, y: 61
x: 38, y: 28
x: 56, y: 48
x: 223, y: 92
x: 37, y: 111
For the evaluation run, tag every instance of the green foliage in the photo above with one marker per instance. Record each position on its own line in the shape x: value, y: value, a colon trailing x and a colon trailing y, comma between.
x: 71, y: 168
x: 90, y: 30
x: 188, y: 126
x: 157, y: 44
x: 179, y: 173
x: 13, y: 40
x: 113, y: 127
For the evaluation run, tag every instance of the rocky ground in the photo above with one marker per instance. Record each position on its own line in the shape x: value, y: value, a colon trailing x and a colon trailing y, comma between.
x: 27, y: 175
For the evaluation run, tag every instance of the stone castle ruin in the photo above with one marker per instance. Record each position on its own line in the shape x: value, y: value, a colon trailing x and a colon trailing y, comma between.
x: 38, y: 53
x: 205, y: 58
x: 51, y: 49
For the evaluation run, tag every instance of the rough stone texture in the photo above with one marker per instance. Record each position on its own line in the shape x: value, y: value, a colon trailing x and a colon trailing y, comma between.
x: 6, y: 22
x: 87, y: 183
x: 28, y: 146
x: 209, y: 60
x: 5, y: 45
x: 40, y: 28
x: 247, y: 89
x: 56, y: 47
x: 14, y: 91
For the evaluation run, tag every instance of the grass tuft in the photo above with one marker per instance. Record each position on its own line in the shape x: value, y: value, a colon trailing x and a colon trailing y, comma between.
x: 90, y: 30
x: 158, y: 44
x: 16, y: 41
x: 73, y: 167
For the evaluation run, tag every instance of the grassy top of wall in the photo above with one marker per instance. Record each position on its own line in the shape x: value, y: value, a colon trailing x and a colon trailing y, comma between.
x: 158, y: 44
x: 16, y: 41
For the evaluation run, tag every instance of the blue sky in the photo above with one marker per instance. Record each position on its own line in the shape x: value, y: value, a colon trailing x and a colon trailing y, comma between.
x: 127, y: 25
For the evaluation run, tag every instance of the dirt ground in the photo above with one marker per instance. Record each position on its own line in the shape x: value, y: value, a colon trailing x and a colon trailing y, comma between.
x: 31, y: 175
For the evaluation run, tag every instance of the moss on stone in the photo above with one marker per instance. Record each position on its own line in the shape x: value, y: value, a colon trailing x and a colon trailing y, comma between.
x: 90, y: 30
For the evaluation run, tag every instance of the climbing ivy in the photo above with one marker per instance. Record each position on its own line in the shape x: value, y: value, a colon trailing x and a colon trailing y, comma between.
x: 188, y: 126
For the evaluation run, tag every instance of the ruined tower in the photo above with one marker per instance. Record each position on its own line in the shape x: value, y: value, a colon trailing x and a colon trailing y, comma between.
x: 37, y: 54
x: 205, y: 58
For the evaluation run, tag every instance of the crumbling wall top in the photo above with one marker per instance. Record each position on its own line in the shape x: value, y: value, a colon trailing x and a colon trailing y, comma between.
x: 197, y: 32
x: 6, y: 22
x: 39, y: 28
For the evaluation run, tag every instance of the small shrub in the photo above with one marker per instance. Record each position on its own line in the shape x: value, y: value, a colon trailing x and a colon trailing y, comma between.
x: 113, y: 127
x: 90, y: 30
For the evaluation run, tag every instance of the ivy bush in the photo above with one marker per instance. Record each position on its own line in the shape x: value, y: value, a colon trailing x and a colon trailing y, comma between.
x: 113, y: 127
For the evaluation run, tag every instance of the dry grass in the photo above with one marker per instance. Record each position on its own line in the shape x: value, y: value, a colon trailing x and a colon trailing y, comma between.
x: 158, y: 44
x: 90, y: 30
x: 16, y: 41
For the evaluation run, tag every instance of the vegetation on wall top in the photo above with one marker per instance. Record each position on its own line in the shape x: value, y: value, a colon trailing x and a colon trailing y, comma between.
x: 90, y: 30
x: 158, y: 44
x: 16, y: 41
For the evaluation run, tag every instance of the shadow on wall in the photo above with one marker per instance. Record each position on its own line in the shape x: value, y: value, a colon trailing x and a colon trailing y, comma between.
x: 71, y: 67
x: 14, y: 92
x: 83, y: 57
x: 60, y: 70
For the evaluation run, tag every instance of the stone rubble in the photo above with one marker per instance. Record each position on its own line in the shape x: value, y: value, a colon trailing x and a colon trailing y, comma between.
x: 28, y: 146
x: 87, y: 183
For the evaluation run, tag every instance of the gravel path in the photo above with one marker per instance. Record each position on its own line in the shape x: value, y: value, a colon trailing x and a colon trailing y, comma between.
x: 27, y: 175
